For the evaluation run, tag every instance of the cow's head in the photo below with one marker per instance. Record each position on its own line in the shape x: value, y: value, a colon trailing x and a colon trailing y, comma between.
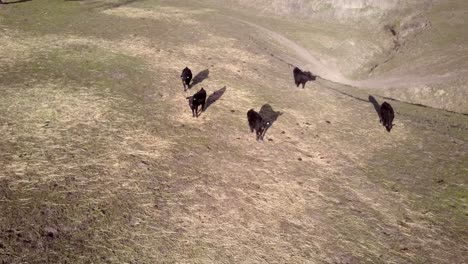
x: 190, y: 101
x: 389, y: 126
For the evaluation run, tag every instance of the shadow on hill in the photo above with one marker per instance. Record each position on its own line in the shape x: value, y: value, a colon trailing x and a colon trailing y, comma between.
x: 376, y: 105
x: 214, y: 97
x: 111, y: 5
x: 13, y: 2
x: 200, y: 77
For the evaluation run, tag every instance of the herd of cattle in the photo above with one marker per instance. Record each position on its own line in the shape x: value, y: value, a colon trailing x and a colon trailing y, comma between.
x: 256, y: 122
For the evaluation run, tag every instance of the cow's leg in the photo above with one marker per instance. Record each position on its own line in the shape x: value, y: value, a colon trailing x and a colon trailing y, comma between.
x: 303, y: 84
x: 264, y: 130
x: 259, y: 132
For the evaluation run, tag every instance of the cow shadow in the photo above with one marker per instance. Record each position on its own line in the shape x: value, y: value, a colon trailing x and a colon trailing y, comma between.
x: 376, y: 106
x: 214, y: 97
x: 14, y: 2
x: 200, y: 77
x: 268, y: 114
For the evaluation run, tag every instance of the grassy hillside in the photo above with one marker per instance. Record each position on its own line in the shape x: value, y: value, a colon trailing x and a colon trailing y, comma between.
x: 413, y: 51
x: 101, y: 160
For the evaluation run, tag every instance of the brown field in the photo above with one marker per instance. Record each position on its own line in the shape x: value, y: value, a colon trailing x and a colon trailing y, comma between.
x: 102, y: 162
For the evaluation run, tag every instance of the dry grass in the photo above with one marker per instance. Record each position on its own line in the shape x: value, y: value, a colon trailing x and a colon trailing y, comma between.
x: 166, y: 13
x: 102, y: 161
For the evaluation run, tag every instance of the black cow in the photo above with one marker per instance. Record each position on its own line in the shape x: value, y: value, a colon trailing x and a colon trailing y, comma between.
x: 257, y: 123
x: 301, y: 77
x: 186, y: 77
x: 386, y: 116
x: 197, y: 99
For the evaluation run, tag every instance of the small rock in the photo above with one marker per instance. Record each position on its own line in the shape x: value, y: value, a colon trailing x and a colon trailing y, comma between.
x: 145, y: 162
x: 270, y: 139
x: 328, y: 122
x: 401, y: 223
x: 232, y: 111
x: 440, y: 181
x: 134, y: 223
x: 283, y: 132
x: 50, y: 232
x: 28, y: 238
x: 307, y: 123
x: 299, y: 159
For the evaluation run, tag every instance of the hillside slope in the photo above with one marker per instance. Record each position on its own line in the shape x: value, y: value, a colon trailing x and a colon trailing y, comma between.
x: 101, y: 160
x: 414, y: 51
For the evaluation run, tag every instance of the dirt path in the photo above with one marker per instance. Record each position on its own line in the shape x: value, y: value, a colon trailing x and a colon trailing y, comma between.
x: 312, y: 62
